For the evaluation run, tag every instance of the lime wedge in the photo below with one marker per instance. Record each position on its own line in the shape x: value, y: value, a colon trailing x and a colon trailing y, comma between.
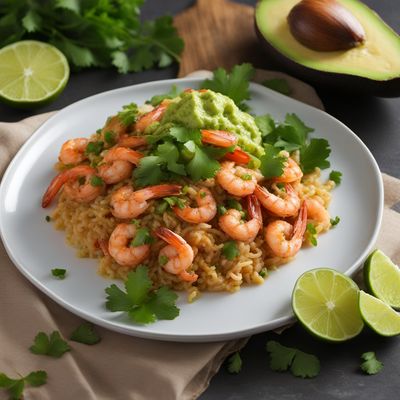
x: 382, y: 278
x: 31, y: 73
x: 378, y: 315
x: 326, y: 304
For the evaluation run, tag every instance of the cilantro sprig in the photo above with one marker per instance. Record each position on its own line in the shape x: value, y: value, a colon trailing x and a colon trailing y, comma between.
x: 371, y: 365
x: 52, y: 345
x: 234, y: 84
x: 142, y: 304
x: 272, y: 163
x: 282, y: 358
x: 85, y: 334
x: 15, y: 387
x: 94, y: 33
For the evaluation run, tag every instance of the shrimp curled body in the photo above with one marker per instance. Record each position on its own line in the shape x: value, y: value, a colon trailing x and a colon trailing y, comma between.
x: 291, y: 172
x: 179, y: 254
x: 237, y: 180
x: 120, y: 249
x: 206, y: 210
x: 73, y: 151
x: 283, y: 207
x: 284, y: 239
x: 233, y: 225
x: 317, y: 212
x: 126, y: 203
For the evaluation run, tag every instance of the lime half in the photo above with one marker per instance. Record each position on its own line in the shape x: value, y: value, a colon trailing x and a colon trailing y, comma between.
x: 31, y: 73
x: 378, y: 315
x: 382, y: 278
x: 326, y: 303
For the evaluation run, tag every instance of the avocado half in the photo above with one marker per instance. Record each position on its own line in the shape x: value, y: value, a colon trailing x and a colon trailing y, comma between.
x: 372, y: 68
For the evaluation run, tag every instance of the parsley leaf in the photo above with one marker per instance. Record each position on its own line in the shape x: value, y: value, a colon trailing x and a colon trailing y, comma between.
x: 336, y: 176
x: 278, y: 84
x: 315, y: 154
x: 301, y: 364
x: 371, y: 365
x: 141, y: 303
x: 53, y: 345
x: 234, y: 84
x: 234, y: 363
x: 173, y: 92
x: 128, y: 114
x: 230, y: 250
x: 311, y: 234
x: 142, y: 237
x: 335, y: 221
x: 59, y: 273
x: 272, y: 163
x: 85, y: 334
x: 15, y: 387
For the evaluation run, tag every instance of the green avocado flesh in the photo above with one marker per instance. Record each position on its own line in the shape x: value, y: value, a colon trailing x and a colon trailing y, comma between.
x: 210, y: 110
x: 378, y: 58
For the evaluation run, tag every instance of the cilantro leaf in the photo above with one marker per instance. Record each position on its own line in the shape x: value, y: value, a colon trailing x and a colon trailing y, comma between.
x: 59, y: 273
x: 336, y: 176
x: 94, y: 147
x: 183, y: 135
x: 234, y: 363
x: 230, y: 250
x: 281, y: 357
x: 15, y: 387
x: 170, y: 154
x: 53, y: 345
x: 142, y: 304
x: 301, y: 364
x: 142, y: 237
x: 266, y: 124
x: 149, y: 171
x: 315, y: 154
x: 234, y: 84
x: 272, y: 163
x: 129, y: 114
x: 85, y: 334
x: 201, y: 166
x: 335, y: 221
x: 278, y: 84
x: 173, y: 92
x: 174, y: 201
x: 371, y: 365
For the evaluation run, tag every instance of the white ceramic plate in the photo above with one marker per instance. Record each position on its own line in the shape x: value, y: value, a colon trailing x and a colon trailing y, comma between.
x: 36, y: 248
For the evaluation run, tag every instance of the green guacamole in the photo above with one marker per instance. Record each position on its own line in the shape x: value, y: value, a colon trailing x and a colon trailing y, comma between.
x: 210, y: 110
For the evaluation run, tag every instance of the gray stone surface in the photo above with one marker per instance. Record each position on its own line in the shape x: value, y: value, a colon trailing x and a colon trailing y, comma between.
x: 377, y: 122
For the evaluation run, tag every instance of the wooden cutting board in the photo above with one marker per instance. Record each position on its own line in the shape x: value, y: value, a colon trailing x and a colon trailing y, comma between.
x: 217, y: 33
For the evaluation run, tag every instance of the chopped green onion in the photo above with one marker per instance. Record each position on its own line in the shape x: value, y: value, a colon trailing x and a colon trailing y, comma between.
x: 246, y: 177
x: 233, y: 203
x: 312, y: 234
x: 203, y: 194
x: 335, y: 221
x: 95, y: 147
x: 161, y: 208
x: 109, y: 137
x: 163, y: 260
x: 59, y: 273
x: 230, y: 250
x: 263, y: 273
x: 96, y: 181
x: 221, y: 210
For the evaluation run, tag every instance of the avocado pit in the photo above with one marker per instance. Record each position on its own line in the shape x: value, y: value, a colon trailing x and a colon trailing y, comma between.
x: 325, y: 25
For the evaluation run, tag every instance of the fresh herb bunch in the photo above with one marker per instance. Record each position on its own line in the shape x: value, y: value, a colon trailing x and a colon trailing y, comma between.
x: 93, y: 33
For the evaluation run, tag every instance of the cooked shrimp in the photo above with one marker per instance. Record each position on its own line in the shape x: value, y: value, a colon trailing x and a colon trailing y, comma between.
x: 114, y: 125
x: 233, y: 225
x: 291, y: 172
x: 218, y: 138
x: 120, y: 249
x: 179, y: 253
x: 118, y: 164
x: 73, y: 151
x: 132, y: 141
x: 284, y: 239
x: 126, y: 203
x: 238, y: 156
x: 153, y: 116
x: 283, y: 207
x: 237, y: 180
x: 71, y: 179
x: 316, y: 211
x: 204, y: 212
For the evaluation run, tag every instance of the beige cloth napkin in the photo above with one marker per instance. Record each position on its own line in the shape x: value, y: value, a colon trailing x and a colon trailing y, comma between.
x: 120, y: 367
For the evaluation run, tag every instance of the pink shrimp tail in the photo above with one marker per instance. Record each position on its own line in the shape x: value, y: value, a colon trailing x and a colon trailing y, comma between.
x: 238, y: 156
x: 170, y: 237
x: 157, y: 191
x: 124, y: 154
x: 218, y: 138
x: 59, y: 180
x: 301, y: 223
x: 188, y: 277
x: 253, y: 207
x: 152, y: 116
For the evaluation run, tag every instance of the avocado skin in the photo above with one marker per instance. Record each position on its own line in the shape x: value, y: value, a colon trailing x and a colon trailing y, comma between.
x: 339, y: 82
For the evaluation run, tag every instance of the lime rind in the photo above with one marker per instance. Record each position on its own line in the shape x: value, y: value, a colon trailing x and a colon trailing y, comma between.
x: 326, y: 304
x: 32, y: 73
x: 378, y: 315
x: 382, y: 278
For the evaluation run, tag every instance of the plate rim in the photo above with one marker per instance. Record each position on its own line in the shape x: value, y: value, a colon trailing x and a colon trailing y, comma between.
x: 176, y: 337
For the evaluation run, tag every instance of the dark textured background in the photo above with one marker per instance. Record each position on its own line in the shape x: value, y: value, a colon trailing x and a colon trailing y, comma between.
x: 377, y: 122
